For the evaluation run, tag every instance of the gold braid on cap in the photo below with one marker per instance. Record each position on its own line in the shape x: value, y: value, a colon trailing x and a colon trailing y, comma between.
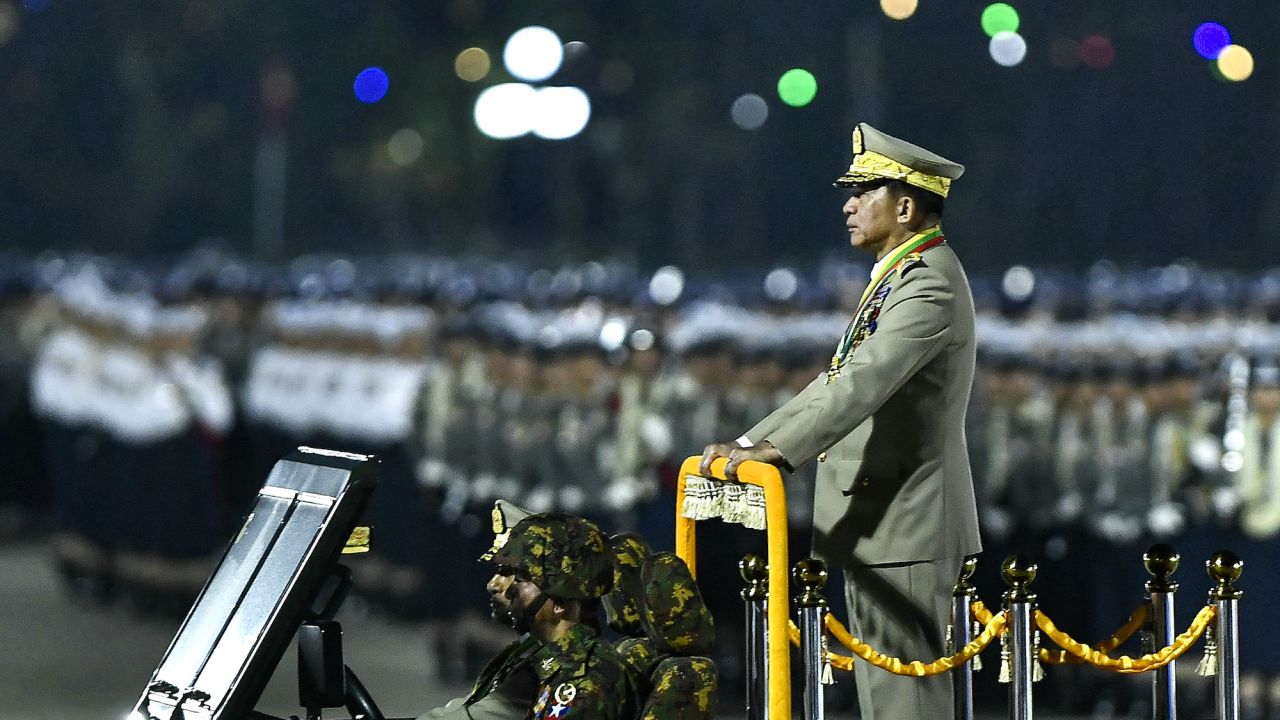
x: 869, y: 166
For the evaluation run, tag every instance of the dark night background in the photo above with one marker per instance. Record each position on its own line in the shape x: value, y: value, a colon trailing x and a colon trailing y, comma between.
x: 131, y: 127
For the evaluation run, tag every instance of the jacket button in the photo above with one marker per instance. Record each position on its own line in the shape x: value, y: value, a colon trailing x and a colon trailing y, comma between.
x: 822, y: 457
x: 866, y: 482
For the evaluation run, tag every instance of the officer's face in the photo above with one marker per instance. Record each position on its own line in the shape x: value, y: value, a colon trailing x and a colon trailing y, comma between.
x: 871, y: 217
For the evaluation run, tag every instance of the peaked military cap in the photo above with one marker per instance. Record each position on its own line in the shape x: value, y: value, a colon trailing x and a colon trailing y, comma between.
x: 877, y: 156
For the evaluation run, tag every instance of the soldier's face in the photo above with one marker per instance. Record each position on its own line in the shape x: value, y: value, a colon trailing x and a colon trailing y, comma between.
x: 870, y: 216
x: 499, y: 588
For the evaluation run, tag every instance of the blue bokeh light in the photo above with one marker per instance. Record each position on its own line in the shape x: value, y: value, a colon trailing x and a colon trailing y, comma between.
x: 1209, y: 40
x: 371, y: 85
x: 36, y: 6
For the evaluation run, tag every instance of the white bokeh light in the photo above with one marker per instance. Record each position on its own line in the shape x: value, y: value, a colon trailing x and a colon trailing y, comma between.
x: 560, y: 113
x: 666, y: 285
x: 1018, y: 283
x: 613, y: 334
x: 506, y: 111
x: 780, y: 284
x: 749, y: 111
x: 1007, y: 48
x: 405, y: 146
x: 533, y: 53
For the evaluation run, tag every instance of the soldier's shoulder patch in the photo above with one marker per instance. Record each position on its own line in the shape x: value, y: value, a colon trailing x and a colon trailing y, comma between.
x: 911, y: 262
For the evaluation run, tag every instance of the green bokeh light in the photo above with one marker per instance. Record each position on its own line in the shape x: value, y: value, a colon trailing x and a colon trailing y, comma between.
x: 998, y: 17
x: 797, y: 87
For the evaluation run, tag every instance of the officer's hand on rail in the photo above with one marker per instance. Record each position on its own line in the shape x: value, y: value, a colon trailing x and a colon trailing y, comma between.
x: 763, y: 452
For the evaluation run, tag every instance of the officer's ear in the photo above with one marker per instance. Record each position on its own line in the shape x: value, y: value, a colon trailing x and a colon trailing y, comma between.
x: 906, y: 209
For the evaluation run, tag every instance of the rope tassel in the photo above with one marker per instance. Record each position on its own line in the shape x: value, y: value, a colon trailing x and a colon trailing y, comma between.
x: 1006, y: 659
x: 1037, y: 670
x: 977, y: 659
x: 828, y: 677
x: 1208, y: 666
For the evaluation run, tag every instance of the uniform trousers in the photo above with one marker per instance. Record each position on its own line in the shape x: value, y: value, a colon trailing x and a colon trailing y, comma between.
x: 902, y: 610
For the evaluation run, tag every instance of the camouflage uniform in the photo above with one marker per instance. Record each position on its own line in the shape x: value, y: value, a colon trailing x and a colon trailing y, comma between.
x: 582, y: 677
x: 679, y: 629
x: 575, y: 675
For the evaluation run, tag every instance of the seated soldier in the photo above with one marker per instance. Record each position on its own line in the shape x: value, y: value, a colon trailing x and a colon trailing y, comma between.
x: 551, y: 572
x: 679, y: 683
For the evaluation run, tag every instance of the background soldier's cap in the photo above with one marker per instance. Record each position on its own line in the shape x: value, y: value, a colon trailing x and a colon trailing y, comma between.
x: 877, y: 157
x: 505, y: 515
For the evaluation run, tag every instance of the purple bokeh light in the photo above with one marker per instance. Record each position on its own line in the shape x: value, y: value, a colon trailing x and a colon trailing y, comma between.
x: 371, y: 85
x: 1209, y: 40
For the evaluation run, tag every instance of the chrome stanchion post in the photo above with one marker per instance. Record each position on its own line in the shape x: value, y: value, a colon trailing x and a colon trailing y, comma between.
x: 755, y: 572
x: 1161, y: 562
x: 1225, y: 567
x: 961, y: 635
x: 1019, y: 602
x: 811, y: 576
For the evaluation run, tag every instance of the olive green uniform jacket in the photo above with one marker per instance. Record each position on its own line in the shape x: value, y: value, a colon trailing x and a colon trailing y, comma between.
x: 894, y: 483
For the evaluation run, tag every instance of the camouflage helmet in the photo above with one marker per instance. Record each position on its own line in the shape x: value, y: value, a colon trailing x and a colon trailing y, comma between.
x: 565, y: 556
x: 628, y: 552
x: 675, y: 617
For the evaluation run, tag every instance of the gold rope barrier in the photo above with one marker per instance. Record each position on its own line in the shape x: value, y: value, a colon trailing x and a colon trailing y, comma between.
x: 1126, y: 664
x: 1061, y: 657
x: 994, y: 626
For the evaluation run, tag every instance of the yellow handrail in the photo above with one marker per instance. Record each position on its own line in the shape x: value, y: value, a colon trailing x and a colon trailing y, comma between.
x: 766, y: 477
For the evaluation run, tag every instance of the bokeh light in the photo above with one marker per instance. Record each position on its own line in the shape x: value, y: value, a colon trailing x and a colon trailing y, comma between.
x: 533, y: 53
x: 781, y: 284
x: 1235, y: 63
x: 999, y: 17
x: 797, y: 87
x: 1209, y: 39
x: 666, y: 285
x: 1007, y: 48
x: 36, y: 6
x: 371, y: 85
x: 749, y: 111
x: 405, y: 146
x: 472, y: 64
x: 1097, y: 52
x: 560, y: 112
x: 1018, y: 283
x: 503, y: 111
x: 899, y: 9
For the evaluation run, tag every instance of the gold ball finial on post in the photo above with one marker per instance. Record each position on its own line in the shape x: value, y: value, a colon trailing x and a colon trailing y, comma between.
x: 755, y: 572
x: 967, y: 570
x: 1019, y: 572
x: 1225, y: 568
x: 811, y: 575
x: 1161, y: 562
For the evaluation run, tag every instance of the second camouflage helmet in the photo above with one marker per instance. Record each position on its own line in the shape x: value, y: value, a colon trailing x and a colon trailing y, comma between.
x: 565, y: 556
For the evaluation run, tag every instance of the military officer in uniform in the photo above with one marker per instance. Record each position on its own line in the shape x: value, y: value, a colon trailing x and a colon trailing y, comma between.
x: 552, y: 570
x: 894, y: 500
